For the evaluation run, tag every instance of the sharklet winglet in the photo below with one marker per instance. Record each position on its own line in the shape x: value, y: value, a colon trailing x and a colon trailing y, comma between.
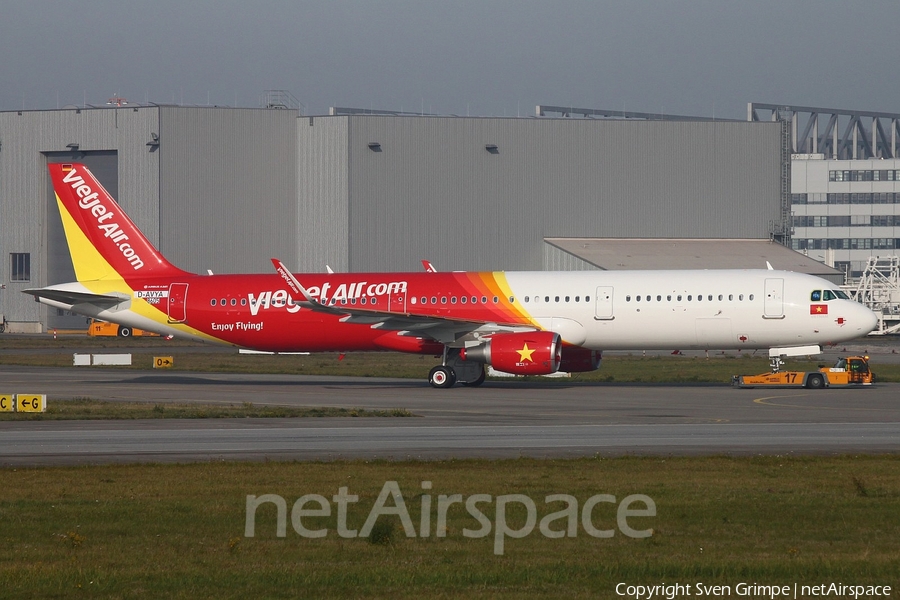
x: 297, y: 288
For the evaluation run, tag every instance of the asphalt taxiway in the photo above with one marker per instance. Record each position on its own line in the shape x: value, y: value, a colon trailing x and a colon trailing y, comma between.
x: 499, y: 419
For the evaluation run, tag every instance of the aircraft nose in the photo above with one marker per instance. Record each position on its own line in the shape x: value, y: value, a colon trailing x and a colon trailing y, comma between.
x: 867, y: 319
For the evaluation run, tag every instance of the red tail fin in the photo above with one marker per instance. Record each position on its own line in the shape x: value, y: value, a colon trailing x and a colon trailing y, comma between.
x: 103, y: 241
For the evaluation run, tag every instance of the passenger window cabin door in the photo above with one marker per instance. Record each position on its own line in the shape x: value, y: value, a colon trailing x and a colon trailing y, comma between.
x: 774, y: 299
x: 603, y: 310
x: 177, y: 306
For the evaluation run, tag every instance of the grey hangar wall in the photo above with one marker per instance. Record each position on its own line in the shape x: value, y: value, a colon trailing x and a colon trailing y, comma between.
x: 226, y: 189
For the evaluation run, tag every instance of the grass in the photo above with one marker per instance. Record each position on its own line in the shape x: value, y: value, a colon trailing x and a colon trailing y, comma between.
x: 84, y: 341
x: 177, y: 531
x: 89, y: 408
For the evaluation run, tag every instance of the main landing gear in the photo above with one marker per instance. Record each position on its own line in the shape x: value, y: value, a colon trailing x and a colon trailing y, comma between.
x: 477, y: 381
x: 442, y: 377
x: 455, y: 370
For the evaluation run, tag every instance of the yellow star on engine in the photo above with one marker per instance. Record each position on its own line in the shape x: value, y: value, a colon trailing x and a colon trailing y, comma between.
x: 525, y: 353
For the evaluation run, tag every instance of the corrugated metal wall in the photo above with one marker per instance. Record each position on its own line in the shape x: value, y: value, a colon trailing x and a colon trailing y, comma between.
x: 323, y: 195
x: 26, y: 137
x: 434, y: 191
x: 559, y: 260
x: 228, y: 187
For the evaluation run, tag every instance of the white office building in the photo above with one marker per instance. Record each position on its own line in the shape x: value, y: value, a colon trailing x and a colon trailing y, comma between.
x: 845, y: 211
x: 844, y: 183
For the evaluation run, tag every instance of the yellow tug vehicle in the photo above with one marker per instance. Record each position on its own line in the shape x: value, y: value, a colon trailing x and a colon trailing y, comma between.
x: 100, y: 328
x: 849, y: 371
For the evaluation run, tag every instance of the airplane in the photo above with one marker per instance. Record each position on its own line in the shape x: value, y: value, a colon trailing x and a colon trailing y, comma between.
x: 523, y: 323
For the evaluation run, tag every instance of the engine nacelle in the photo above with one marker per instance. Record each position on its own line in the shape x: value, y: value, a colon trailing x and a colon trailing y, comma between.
x: 576, y: 359
x: 527, y: 353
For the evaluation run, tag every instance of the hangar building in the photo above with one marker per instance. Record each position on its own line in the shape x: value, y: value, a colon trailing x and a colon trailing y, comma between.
x: 225, y: 189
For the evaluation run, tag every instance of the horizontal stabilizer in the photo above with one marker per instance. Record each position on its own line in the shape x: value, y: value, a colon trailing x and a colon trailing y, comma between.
x: 73, y: 297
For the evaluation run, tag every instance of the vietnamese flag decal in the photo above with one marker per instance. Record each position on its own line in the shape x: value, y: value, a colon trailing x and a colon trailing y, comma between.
x: 818, y: 309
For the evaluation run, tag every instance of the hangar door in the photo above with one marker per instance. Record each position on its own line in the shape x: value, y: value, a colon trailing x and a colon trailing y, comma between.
x: 104, y: 164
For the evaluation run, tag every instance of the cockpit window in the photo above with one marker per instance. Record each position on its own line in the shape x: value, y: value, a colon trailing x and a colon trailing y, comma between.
x: 829, y: 295
x: 826, y: 295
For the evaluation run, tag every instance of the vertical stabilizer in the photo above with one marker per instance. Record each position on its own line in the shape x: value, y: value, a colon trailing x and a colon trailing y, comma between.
x: 103, y: 242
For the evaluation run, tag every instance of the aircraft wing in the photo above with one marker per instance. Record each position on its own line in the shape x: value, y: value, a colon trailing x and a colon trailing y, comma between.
x: 440, y: 329
x: 446, y: 330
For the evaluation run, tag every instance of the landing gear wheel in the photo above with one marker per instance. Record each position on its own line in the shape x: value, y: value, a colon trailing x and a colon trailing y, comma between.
x: 475, y: 382
x: 124, y: 332
x: 442, y: 377
x: 815, y: 382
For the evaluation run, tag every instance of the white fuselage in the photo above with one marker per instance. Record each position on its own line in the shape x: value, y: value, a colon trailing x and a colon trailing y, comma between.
x: 725, y: 309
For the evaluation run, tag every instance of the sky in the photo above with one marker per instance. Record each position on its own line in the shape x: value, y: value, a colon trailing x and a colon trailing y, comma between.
x: 467, y: 57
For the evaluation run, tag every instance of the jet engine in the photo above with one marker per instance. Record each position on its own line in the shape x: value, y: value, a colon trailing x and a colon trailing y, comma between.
x: 527, y: 353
